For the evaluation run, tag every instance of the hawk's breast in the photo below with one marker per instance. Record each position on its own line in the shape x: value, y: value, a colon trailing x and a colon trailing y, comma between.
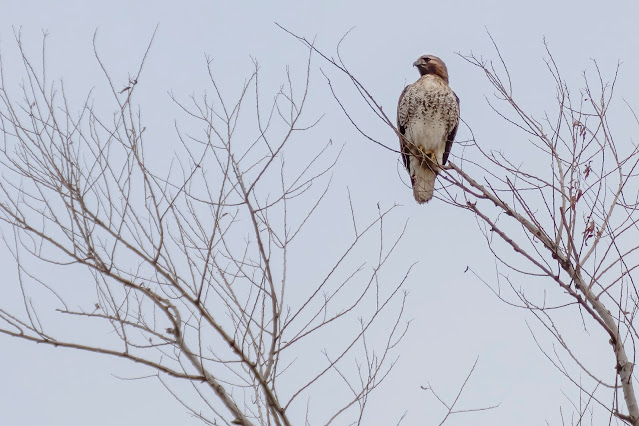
x: 429, y: 112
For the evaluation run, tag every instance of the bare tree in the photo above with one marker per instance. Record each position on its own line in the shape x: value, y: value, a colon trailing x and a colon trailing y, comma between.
x: 564, y: 216
x: 190, y: 267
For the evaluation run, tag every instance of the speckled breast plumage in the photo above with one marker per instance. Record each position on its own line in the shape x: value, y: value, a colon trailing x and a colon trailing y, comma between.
x: 429, y: 101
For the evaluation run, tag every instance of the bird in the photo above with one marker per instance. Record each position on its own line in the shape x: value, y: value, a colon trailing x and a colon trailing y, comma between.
x: 427, y: 119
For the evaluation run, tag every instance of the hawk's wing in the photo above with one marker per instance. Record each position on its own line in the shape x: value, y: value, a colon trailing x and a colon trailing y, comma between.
x: 451, y: 136
x: 401, y: 126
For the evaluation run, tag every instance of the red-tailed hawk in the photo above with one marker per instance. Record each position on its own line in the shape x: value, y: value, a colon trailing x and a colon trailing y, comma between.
x: 427, y: 116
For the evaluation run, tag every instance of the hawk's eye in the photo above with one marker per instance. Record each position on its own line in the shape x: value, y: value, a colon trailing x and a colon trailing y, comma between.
x: 426, y: 59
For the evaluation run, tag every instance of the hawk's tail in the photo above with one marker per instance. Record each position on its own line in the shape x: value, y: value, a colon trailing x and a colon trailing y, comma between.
x: 423, y: 182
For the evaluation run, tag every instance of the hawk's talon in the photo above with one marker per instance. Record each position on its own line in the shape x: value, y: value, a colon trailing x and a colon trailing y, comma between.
x: 426, y: 157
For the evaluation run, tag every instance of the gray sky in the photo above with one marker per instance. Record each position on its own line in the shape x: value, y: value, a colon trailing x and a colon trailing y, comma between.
x: 455, y: 317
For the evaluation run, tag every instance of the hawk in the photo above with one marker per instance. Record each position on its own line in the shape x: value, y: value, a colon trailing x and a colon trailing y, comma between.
x: 427, y: 117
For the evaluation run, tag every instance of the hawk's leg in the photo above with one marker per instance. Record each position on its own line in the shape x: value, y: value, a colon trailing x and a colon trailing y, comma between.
x: 427, y: 157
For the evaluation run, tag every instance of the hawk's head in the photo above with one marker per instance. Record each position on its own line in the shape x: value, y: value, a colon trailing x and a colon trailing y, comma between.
x: 430, y: 64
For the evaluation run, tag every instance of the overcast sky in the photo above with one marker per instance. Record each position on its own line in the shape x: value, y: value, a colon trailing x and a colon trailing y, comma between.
x: 456, y: 319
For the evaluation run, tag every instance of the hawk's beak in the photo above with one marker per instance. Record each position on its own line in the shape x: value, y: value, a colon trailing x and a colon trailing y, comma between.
x: 416, y: 63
